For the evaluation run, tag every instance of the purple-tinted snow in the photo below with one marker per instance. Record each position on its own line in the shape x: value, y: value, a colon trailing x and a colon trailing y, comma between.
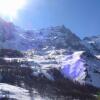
x: 74, y: 67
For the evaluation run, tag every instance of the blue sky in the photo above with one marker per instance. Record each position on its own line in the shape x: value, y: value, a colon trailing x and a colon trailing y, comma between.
x: 80, y: 16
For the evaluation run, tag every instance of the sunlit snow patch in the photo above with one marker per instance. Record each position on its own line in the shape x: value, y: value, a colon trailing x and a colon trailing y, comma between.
x: 14, y: 92
x: 73, y: 66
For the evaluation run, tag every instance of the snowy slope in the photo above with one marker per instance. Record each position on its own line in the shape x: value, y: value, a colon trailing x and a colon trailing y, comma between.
x: 54, y: 47
x: 42, y: 86
x: 13, y: 92
x: 93, y: 43
x: 80, y: 66
x: 17, y: 93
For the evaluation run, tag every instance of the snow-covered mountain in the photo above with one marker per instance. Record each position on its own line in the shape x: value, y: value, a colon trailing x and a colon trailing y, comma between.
x: 44, y: 79
x: 79, y: 66
x: 93, y: 44
x: 13, y: 92
x: 9, y: 35
x: 13, y: 37
x: 50, y: 55
x: 58, y: 37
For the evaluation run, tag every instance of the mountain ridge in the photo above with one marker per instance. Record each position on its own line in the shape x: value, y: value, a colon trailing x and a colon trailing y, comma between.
x: 50, y: 55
